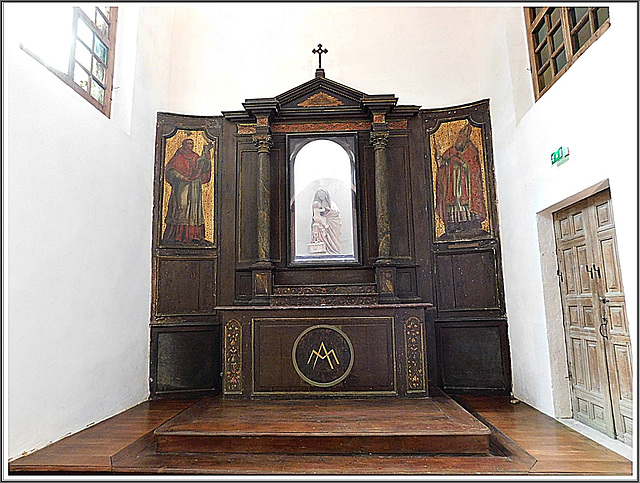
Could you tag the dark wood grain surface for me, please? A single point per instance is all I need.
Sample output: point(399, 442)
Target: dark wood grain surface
point(523, 442)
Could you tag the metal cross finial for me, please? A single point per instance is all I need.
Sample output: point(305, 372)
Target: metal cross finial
point(319, 51)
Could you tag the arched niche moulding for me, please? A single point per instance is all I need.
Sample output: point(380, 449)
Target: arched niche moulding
point(323, 199)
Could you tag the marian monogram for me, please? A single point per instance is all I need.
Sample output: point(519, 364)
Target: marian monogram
point(322, 355)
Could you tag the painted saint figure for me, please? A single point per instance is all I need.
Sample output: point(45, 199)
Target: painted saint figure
point(460, 199)
point(326, 225)
point(186, 172)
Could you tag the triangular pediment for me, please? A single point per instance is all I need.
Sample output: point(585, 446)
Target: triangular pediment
point(318, 98)
point(320, 93)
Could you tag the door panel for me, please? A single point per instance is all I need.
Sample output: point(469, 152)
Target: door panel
point(596, 327)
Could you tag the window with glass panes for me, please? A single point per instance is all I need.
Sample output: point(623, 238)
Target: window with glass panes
point(558, 36)
point(82, 57)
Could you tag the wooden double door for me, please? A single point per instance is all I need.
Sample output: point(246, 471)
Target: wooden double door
point(595, 321)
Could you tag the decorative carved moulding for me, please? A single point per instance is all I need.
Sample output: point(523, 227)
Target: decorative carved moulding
point(321, 99)
point(414, 344)
point(338, 126)
point(322, 300)
point(326, 289)
point(232, 357)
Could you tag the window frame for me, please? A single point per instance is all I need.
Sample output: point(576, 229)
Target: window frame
point(109, 41)
point(532, 23)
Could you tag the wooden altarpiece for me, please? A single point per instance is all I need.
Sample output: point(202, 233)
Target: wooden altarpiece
point(372, 268)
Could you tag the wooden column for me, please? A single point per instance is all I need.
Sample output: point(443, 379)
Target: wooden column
point(379, 107)
point(263, 196)
point(262, 271)
point(379, 140)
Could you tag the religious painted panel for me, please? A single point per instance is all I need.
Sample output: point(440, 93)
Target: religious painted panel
point(458, 172)
point(188, 190)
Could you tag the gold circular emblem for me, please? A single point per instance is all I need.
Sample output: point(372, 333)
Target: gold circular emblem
point(322, 355)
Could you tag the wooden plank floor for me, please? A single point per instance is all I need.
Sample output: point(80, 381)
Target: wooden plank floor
point(546, 447)
point(558, 449)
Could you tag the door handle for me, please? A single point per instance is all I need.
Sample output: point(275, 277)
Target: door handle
point(604, 300)
point(589, 271)
point(603, 327)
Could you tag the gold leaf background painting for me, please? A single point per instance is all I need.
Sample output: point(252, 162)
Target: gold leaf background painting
point(172, 145)
point(444, 138)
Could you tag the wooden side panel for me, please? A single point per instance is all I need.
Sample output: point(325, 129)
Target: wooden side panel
point(185, 286)
point(185, 348)
point(373, 349)
point(465, 249)
point(246, 208)
point(467, 281)
point(400, 199)
point(472, 356)
point(185, 360)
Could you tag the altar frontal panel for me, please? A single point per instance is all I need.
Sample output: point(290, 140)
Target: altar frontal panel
point(323, 355)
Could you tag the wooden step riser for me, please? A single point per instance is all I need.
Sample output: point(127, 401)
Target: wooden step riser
point(387, 444)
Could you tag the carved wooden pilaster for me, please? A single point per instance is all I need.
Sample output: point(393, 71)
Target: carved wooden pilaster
point(379, 140)
point(232, 376)
point(415, 355)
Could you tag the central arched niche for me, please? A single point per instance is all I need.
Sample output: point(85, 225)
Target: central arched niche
point(322, 200)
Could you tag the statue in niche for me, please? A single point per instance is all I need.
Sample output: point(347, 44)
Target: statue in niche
point(186, 172)
point(326, 225)
point(460, 201)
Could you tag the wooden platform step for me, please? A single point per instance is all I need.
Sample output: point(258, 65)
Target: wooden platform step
point(382, 426)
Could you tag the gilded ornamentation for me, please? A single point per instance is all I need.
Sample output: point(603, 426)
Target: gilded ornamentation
point(402, 124)
point(262, 283)
point(321, 99)
point(322, 355)
point(330, 290)
point(262, 121)
point(414, 345)
point(233, 357)
point(263, 142)
point(378, 118)
point(386, 281)
point(246, 128)
point(321, 126)
point(379, 139)
point(322, 300)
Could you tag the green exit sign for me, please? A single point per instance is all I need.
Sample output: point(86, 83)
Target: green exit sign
point(560, 156)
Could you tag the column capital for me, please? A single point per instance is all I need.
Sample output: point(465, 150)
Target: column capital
point(263, 142)
point(379, 139)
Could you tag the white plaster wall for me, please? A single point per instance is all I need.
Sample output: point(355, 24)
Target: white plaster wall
point(226, 53)
point(77, 213)
point(592, 109)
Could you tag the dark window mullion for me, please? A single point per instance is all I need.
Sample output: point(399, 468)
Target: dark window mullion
point(98, 81)
point(544, 67)
point(579, 24)
point(536, 21)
